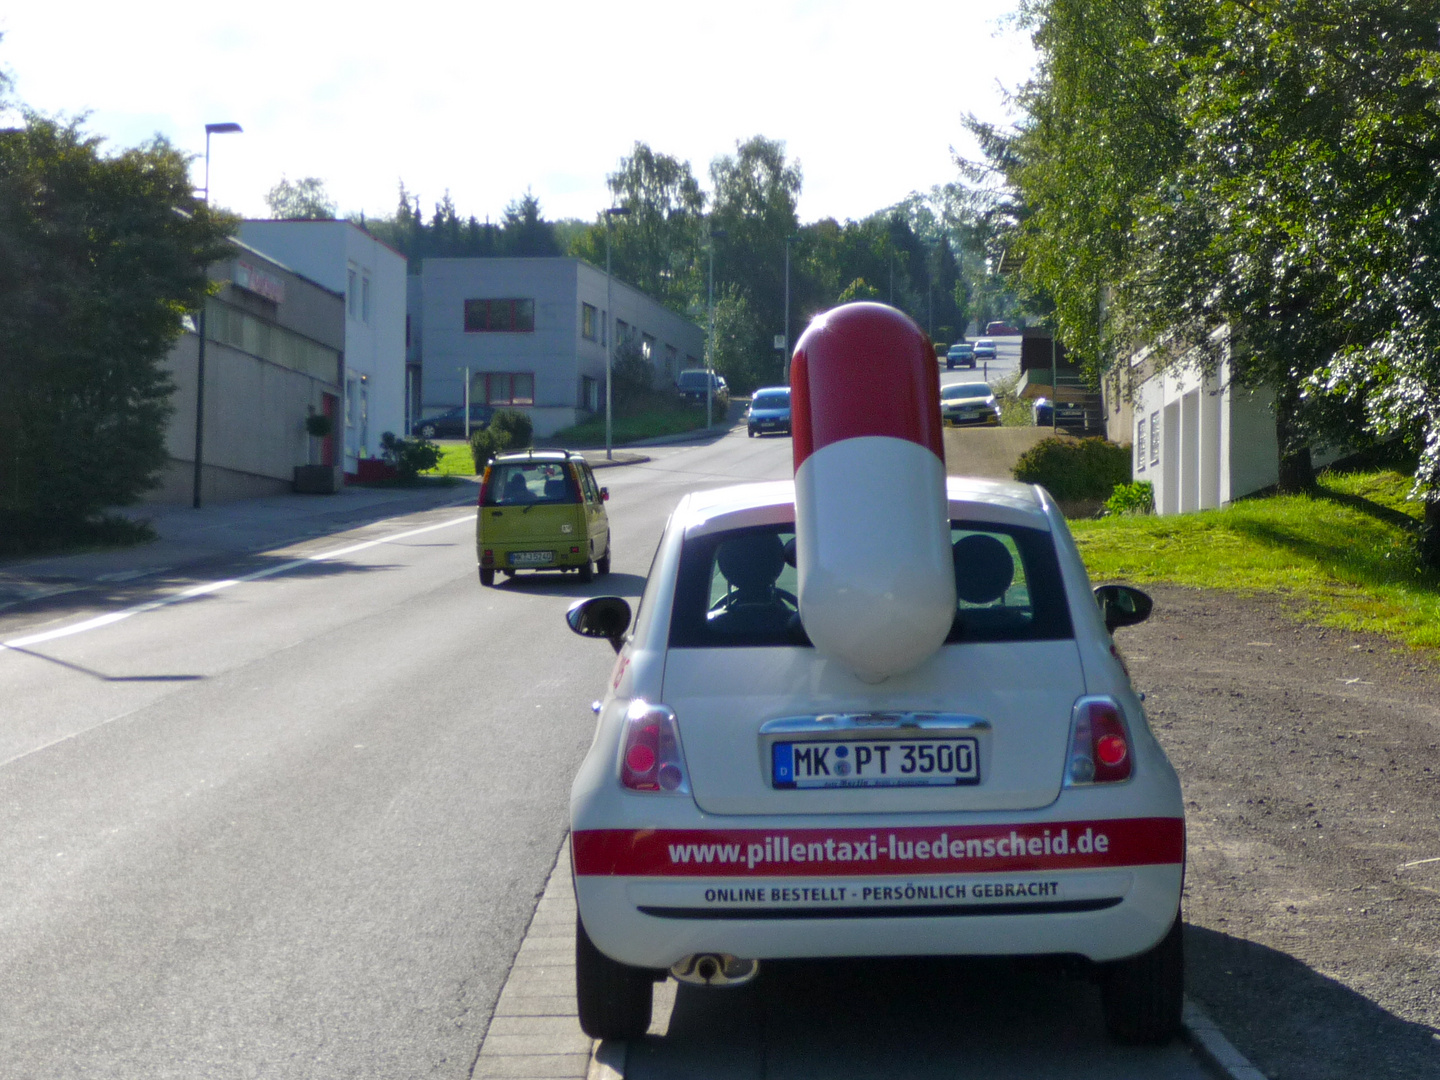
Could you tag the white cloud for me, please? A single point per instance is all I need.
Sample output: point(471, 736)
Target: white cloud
point(488, 99)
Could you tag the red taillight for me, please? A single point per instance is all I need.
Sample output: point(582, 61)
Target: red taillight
point(650, 757)
point(487, 557)
point(1099, 744)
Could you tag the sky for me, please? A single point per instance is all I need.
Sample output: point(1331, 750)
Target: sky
point(488, 100)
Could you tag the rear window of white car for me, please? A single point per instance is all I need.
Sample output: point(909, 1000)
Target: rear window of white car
point(739, 588)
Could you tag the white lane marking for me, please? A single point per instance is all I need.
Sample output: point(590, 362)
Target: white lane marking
point(216, 586)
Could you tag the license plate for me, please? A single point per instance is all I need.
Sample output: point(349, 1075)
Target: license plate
point(530, 558)
point(881, 763)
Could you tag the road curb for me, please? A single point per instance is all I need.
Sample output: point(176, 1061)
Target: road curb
point(1211, 1044)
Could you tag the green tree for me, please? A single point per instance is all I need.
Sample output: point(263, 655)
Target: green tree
point(305, 199)
point(102, 254)
point(657, 246)
point(755, 194)
point(743, 355)
point(525, 231)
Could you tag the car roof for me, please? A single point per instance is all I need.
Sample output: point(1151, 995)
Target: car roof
point(770, 390)
point(537, 455)
point(773, 502)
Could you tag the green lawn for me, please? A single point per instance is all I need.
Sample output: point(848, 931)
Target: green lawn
point(626, 429)
point(455, 460)
point(1343, 557)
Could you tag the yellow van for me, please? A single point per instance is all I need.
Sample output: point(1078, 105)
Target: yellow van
point(541, 510)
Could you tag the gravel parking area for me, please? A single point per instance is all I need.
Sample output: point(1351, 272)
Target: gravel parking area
point(1312, 784)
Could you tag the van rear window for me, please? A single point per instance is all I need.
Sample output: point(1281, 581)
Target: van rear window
point(530, 483)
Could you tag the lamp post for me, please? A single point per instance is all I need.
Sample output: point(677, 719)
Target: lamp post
point(785, 354)
point(715, 234)
point(226, 128)
point(609, 328)
point(466, 370)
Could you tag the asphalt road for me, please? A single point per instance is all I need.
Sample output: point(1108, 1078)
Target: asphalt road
point(296, 827)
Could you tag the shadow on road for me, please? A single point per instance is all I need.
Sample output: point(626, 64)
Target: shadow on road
point(560, 584)
point(896, 1019)
point(1291, 1021)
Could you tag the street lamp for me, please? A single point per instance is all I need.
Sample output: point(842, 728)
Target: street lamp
point(227, 128)
point(609, 328)
point(715, 234)
point(785, 355)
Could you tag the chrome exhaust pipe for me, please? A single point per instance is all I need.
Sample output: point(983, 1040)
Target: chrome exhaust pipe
point(715, 969)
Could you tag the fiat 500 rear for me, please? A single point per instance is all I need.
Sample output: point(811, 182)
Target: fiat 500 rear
point(840, 735)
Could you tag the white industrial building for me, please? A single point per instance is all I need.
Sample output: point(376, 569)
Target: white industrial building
point(533, 334)
point(372, 277)
point(1201, 440)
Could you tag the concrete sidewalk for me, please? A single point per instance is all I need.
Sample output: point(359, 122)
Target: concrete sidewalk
point(190, 537)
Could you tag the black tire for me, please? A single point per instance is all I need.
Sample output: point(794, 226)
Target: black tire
point(614, 999)
point(587, 572)
point(602, 564)
point(487, 577)
point(949, 365)
point(750, 432)
point(1142, 997)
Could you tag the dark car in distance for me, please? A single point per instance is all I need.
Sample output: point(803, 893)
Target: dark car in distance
point(450, 424)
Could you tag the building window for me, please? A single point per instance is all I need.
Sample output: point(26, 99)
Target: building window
point(672, 361)
point(589, 393)
point(365, 298)
point(499, 316)
point(1154, 438)
point(1141, 447)
point(352, 295)
point(622, 332)
point(647, 346)
point(506, 387)
point(589, 322)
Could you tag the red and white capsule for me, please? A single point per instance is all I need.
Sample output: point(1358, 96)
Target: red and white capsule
point(876, 574)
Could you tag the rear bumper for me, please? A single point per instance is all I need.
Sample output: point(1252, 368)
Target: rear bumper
point(1109, 889)
point(561, 555)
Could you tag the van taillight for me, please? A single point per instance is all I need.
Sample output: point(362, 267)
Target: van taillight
point(1099, 744)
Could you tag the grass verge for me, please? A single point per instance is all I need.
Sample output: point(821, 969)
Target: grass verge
point(651, 424)
point(1344, 556)
point(455, 460)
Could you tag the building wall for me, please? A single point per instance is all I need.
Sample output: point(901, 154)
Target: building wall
point(372, 278)
point(567, 363)
point(268, 364)
point(1202, 441)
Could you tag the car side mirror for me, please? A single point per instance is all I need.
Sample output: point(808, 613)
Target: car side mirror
point(1122, 605)
point(604, 494)
point(600, 617)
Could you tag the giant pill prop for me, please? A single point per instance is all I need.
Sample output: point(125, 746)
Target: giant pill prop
point(876, 573)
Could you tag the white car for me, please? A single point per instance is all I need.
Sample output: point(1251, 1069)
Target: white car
point(745, 799)
point(840, 725)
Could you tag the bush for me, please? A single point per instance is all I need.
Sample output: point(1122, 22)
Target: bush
point(1075, 468)
point(509, 429)
point(1136, 498)
point(409, 457)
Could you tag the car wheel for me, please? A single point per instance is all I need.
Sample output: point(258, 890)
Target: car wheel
point(427, 430)
point(602, 564)
point(487, 577)
point(614, 999)
point(587, 572)
point(949, 365)
point(750, 432)
point(1142, 996)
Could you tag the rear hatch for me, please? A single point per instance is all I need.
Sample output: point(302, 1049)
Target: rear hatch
point(1013, 699)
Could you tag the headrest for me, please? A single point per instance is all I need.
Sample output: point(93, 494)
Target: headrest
point(753, 561)
point(983, 569)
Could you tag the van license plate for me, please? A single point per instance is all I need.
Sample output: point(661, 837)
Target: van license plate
point(531, 558)
point(882, 763)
